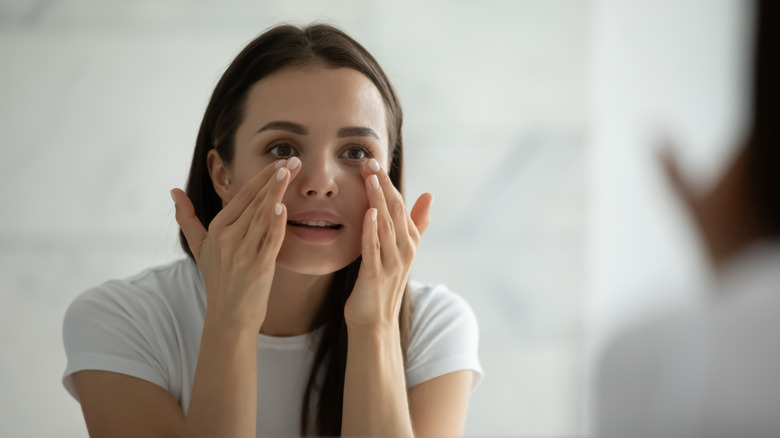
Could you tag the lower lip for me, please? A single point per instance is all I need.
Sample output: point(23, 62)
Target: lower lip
point(314, 235)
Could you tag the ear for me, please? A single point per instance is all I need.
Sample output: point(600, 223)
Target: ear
point(220, 176)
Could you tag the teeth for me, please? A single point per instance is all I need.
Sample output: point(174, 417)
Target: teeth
point(315, 223)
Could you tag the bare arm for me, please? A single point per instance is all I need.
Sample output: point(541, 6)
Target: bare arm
point(224, 392)
point(375, 395)
point(375, 401)
point(236, 258)
point(120, 406)
point(375, 398)
point(438, 406)
point(224, 395)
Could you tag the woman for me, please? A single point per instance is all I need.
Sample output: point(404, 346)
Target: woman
point(293, 314)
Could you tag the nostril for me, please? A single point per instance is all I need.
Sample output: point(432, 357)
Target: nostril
point(328, 194)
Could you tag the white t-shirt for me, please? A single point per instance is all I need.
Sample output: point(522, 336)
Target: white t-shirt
point(149, 326)
point(711, 370)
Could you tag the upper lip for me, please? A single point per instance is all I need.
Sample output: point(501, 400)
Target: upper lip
point(315, 216)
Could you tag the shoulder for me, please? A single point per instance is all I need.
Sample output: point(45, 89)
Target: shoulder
point(161, 287)
point(134, 325)
point(444, 334)
point(434, 306)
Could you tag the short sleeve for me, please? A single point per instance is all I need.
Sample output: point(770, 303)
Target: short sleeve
point(101, 331)
point(444, 336)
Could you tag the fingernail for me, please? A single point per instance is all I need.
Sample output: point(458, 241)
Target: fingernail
point(173, 197)
point(373, 214)
point(280, 174)
point(374, 181)
point(293, 163)
point(278, 209)
point(373, 164)
point(280, 163)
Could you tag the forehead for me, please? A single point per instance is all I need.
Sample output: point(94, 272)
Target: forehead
point(320, 98)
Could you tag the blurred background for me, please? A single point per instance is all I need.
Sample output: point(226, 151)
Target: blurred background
point(534, 122)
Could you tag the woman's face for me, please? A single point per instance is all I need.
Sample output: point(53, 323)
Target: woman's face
point(333, 120)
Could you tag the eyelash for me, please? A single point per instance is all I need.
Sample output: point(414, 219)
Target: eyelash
point(275, 145)
point(362, 148)
point(358, 146)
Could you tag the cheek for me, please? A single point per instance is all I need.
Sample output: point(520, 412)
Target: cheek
point(244, 171)
point(357, 196)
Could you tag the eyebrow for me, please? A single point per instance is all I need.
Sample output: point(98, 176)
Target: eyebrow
point(295, 128)
point(357, 131)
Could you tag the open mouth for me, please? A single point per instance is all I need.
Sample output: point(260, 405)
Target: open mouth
point(315, 225)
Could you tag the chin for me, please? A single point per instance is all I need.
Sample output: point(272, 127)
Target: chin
point(311, 263)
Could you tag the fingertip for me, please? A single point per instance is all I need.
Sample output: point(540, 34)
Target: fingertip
point(281, 173)
point(293, 163)
point(374, 166)
point(372, 214)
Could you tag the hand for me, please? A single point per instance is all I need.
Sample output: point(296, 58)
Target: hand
point(390, 238)
point(724, 216)
point(237, 255)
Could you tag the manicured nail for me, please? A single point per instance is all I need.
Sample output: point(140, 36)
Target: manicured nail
point(280, 174)
point(373, 214)
point(373, 164)
point(278, 209)
point(173, 197)
point(374, 181)
point(280, 163)
point(293, 163)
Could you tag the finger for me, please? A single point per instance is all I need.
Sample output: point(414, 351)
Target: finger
point(236, 206)
point(189, 223)
point(370, 243)
point(274, 235)
point(394, 201)
point(259, 219)
point(421, 216)
point(370, 167)
point(680, 186)
point(271, 193)
point(385, 226)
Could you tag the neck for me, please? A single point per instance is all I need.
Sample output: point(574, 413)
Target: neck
point(294, 302)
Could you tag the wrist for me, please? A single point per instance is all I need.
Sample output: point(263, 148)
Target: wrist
point(374, 331)
point(231, 326)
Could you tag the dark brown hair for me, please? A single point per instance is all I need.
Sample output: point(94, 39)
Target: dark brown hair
point(764, 146)
point(292, 47)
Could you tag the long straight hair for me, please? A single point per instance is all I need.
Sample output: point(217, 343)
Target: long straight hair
point(292, 47)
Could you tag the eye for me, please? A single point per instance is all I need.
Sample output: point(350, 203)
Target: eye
point(356, 153)
point(282, 150)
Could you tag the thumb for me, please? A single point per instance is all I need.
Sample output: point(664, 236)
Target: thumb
point(188, 222)
point(421, 212)
point(678, 183)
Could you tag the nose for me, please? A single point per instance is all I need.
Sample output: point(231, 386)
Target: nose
point(317, 178)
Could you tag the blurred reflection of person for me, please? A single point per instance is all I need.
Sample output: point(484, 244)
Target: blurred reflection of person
point(714, 370)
